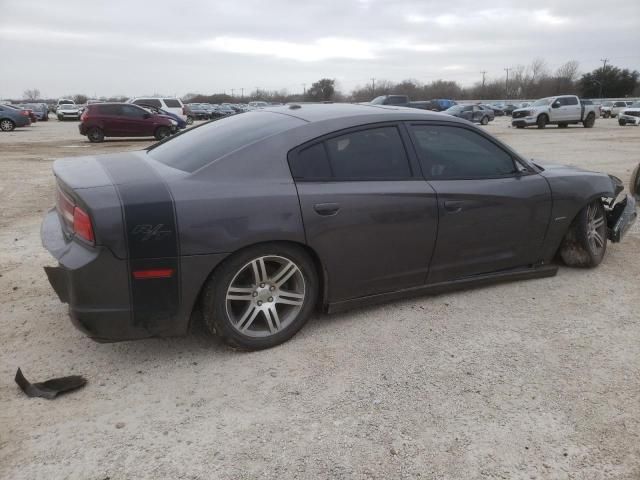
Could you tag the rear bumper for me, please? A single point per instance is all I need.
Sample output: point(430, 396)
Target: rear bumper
point(93, 282)
point(621, 217)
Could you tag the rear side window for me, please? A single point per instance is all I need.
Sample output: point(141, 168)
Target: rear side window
point(108, 109)
point(154, 102)
point(396, 100)
point(172, 103)
point(372, 154)
point(200, 146)
point(570, 101)
point(457, 153)
point(311, 163)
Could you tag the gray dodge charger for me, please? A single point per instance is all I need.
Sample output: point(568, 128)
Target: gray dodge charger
point(258, 219)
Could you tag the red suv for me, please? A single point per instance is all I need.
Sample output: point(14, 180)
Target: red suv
point(101, 120)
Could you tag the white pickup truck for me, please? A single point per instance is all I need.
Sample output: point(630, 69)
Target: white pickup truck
point(561, 110)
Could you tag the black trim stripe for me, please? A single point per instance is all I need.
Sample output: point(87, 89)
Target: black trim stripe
point(151, 232)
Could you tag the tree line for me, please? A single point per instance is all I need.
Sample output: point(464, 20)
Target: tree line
point(535, 80)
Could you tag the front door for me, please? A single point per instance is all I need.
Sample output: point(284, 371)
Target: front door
point(493, 211)
point(368, 213)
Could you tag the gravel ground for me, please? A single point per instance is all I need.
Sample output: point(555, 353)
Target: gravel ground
point(535, 379)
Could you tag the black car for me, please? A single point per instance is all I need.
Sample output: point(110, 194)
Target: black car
point(257, 219)
point(195, 111)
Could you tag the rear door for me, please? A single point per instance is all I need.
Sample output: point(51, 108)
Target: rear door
point(367, 211)
point(493, 211)
point(573, 109)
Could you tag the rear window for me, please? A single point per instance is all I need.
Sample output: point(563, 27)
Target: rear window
point(154, 102)
point(202, 145)
point(172, 103)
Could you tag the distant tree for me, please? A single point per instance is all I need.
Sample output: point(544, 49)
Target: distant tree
point(32, 94)
point(611, 81)
point(322, 90)
point(79, 98)
point(442, 89)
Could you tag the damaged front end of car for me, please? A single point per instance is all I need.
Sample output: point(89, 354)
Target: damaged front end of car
point(621, 209)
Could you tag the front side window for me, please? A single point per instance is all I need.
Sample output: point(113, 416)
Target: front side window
point(457, 153)
point(132, 112)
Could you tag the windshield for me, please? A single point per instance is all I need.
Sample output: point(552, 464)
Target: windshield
point(542, 102)
point(200, 146)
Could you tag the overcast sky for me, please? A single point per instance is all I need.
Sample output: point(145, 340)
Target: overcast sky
point(175, 47)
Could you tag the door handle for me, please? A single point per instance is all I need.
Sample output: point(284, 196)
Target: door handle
point(453, 206)
point(326, 209)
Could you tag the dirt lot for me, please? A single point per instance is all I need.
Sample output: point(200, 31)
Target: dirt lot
point(537, 379)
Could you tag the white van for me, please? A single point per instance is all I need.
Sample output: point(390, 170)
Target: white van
point(173, 105)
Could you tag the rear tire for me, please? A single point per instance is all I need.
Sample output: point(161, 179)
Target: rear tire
point(585, 243)
point(590, 121)
point(7, 125)
point(162, 132)
point(238, 304)
point(622, 122)
point(95, 135)
point(607, 114)
point(484, 121)
point(542, 121)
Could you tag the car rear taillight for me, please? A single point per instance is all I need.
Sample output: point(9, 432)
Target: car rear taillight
point(74, 217)
point(24, 112)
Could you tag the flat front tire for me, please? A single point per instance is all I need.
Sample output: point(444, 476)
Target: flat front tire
point(585, 243)
point(261, 296)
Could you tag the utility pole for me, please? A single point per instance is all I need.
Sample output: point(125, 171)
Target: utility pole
point(304, 89)
point(233, 90)
point(604, 63)
point(242, 93)
point(506, 83)
point(373, 86)
point(604, 70)
point(483, 74)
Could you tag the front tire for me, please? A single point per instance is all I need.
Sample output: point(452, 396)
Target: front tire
point(189, 120)
point(622, 122)
point(484, 121)
point(542, 121)
point(7, 125)
point(261, 296)
point(585, 244)
point(162, 132)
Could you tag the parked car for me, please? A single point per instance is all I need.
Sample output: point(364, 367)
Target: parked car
point(562, 110)
point(66, 111)
point(12, 117)
point(223, 111)
point(472, 113)
point(198, 111)
point(30, 112)
point(40, 110)
point(168, 104)
point(497, 111)
point(64, 101)
point(630, 116)
point(611, 109)
point(182, 124)
point(256, 219)
point(509, 108)
point(102, 120)
point(257, 104)
point(438, 105)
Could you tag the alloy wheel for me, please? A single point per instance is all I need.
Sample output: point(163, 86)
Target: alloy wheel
point(596, 228)
point(265, 296)
point(6, 125)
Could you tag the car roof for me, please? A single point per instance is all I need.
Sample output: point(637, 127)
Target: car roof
point(321, 112)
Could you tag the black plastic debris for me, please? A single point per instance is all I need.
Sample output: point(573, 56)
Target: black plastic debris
point(51, 388)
